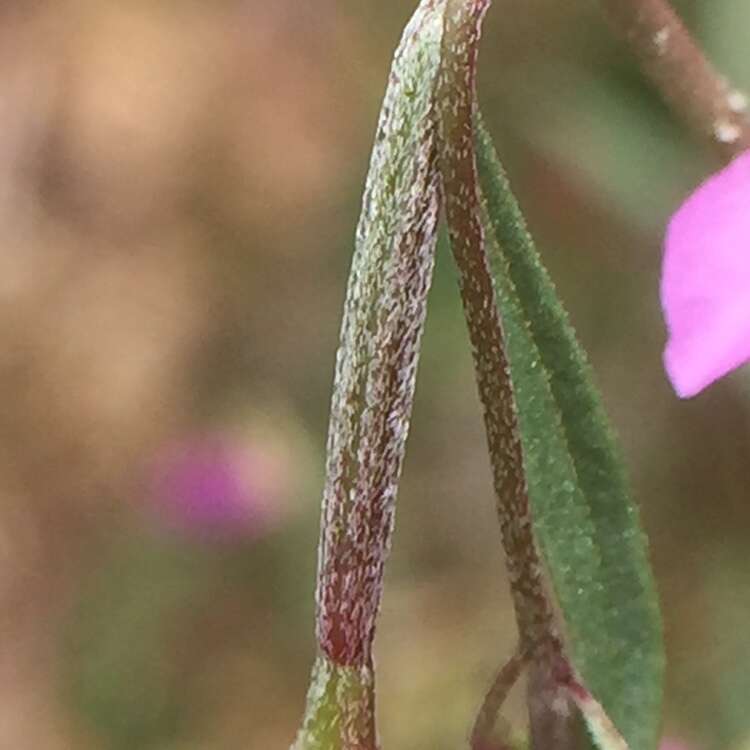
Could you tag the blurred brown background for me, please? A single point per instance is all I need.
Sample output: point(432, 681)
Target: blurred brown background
point(179, 185)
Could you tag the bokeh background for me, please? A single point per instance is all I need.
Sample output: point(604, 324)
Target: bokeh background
point(179, 185)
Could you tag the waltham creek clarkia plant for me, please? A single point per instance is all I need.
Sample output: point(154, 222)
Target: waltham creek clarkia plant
point(705, 287)
point(589, 627)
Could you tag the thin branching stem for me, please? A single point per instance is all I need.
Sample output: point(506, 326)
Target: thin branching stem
point(493, 701)
point(678, 67)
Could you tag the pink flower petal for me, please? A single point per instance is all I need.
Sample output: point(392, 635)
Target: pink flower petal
point(705, 286)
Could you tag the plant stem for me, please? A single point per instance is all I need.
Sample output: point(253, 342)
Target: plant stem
point(678, 67)
point(540, 642)
point(457, 108)
point(493, 702)
point(377, 360)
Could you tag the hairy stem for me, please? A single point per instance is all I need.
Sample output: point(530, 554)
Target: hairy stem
point(677, 66)
point(539, 639)
point(457, 104)
point(377, 360)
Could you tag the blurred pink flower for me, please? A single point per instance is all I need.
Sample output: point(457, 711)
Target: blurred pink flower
point(670, 743)
point(210, 486)
point(705, 287)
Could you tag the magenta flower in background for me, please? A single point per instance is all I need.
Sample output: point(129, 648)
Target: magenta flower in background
point(211, 486)
point(705, 287)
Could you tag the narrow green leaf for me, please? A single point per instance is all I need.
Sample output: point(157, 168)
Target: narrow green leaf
point(584, 519)
point(374, 389)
